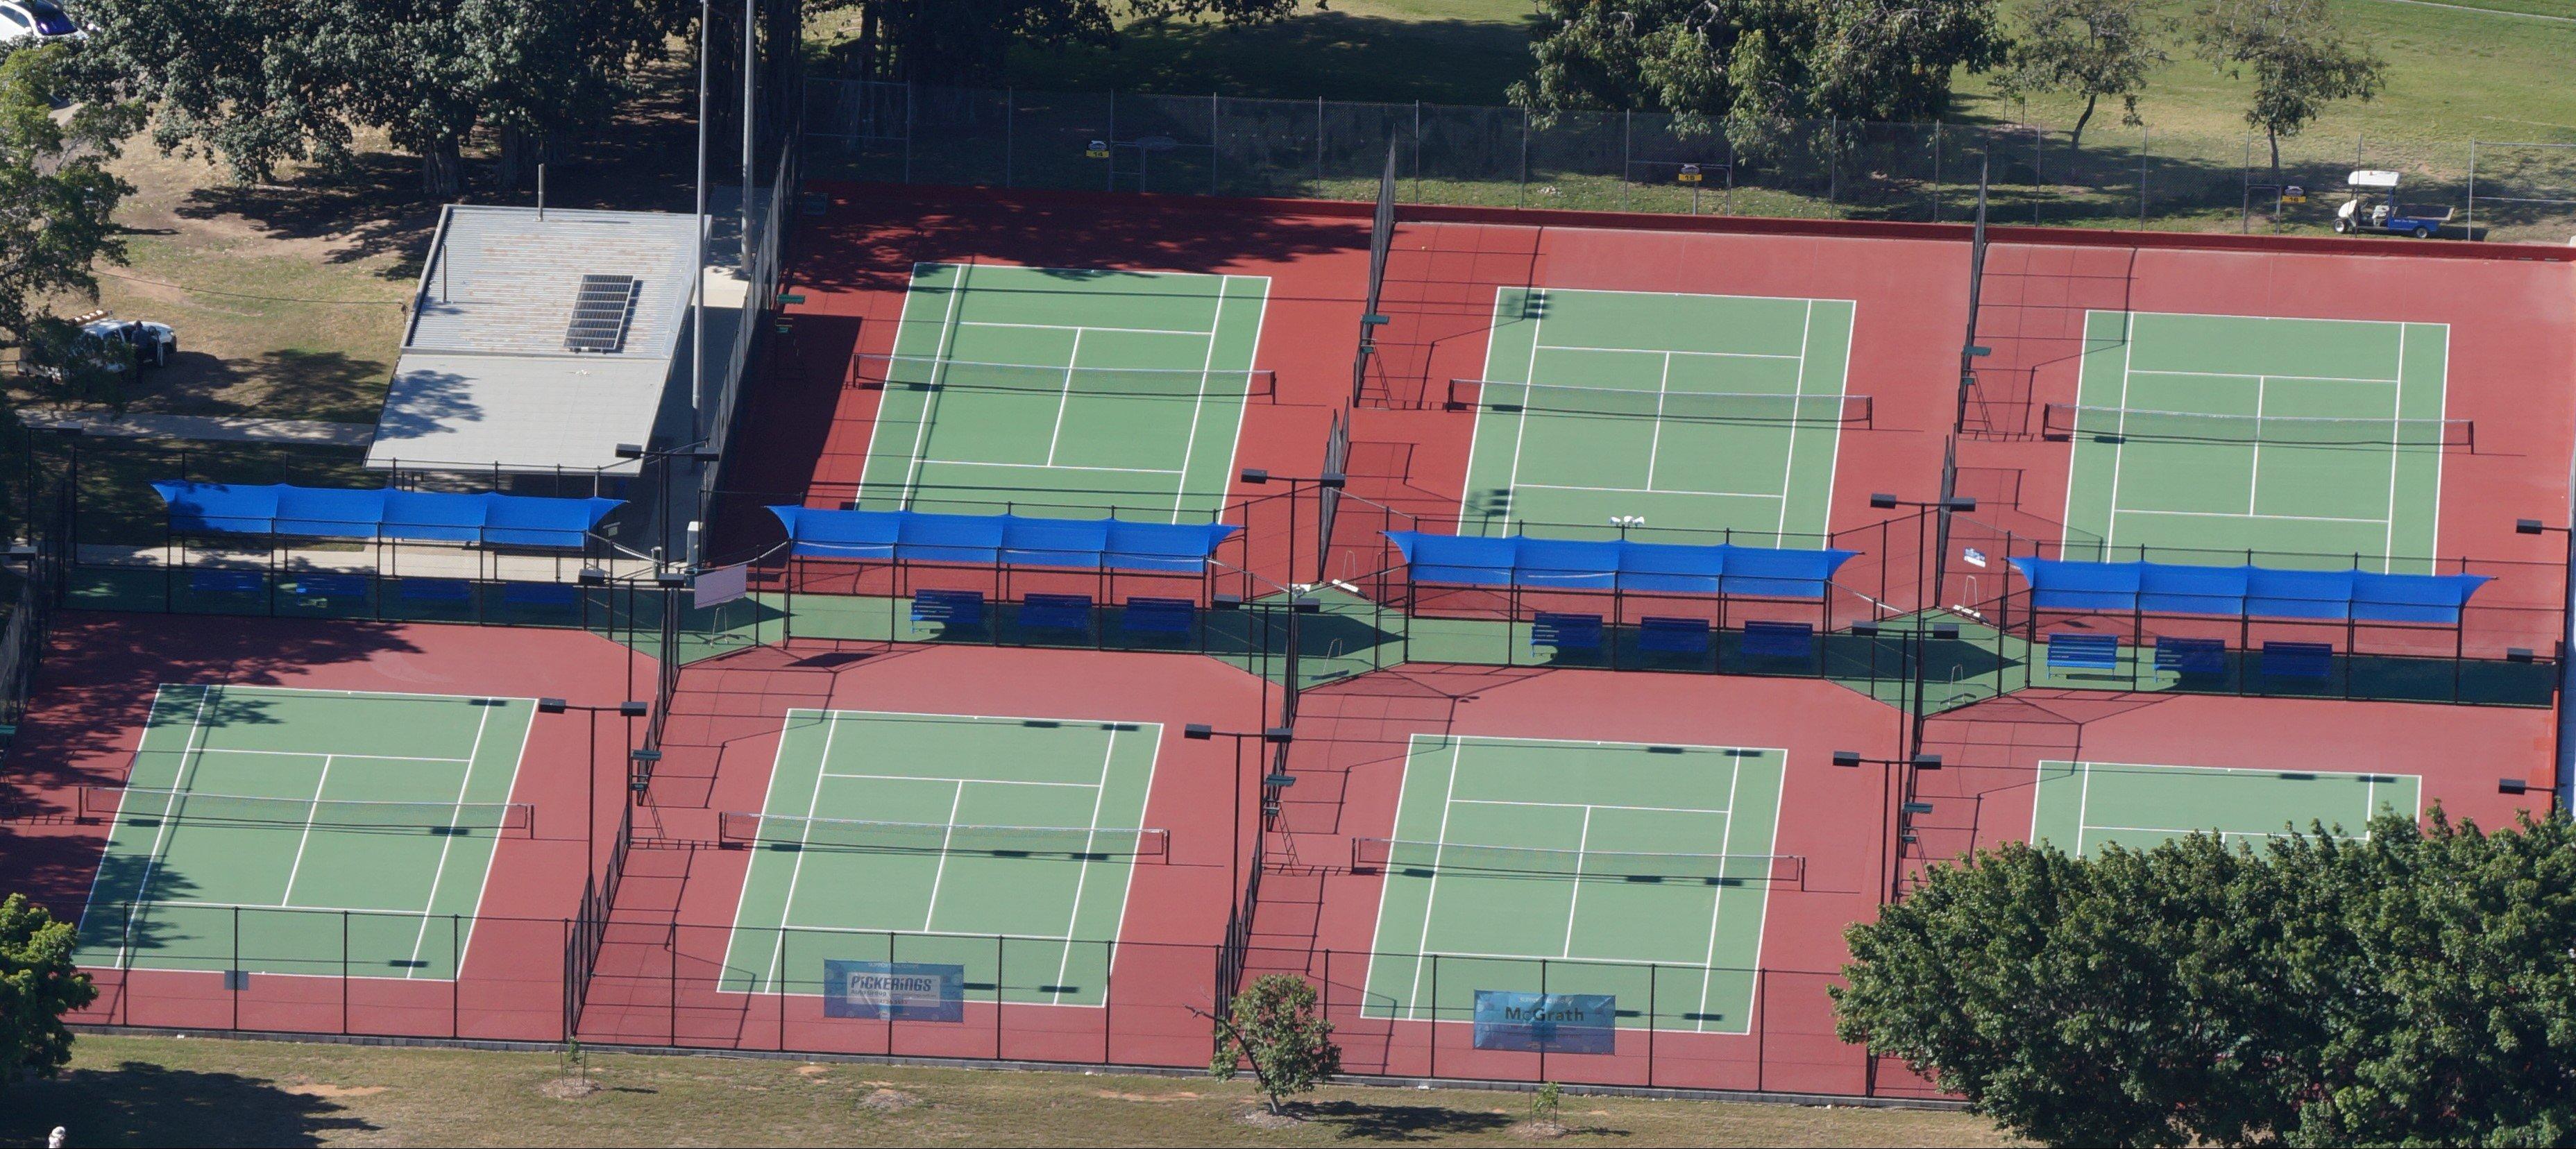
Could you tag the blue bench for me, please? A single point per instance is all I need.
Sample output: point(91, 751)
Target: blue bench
point(1566, 631)
point(2191, 655)
point(948, 607)
point(1158, 616)
point(1780, 639)
point(227, 582)
point(2313, 660)
point(331, 586)
point(540, 593)
point(436, 590)
point(2084, 651)
point(1056, 611)
point(1672, 635)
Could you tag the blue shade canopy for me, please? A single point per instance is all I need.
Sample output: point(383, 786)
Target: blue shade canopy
point(330, 512)
point(1016, 540)
point(2268, 592)
point(1716, 568)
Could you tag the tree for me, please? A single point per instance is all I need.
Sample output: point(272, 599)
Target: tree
point(1276, 1028)
point(2410, 987)
point(260, 84)
point(38, 985)
point(2299, 63)
point(57, 198)
point(2087, 48)
point(968, 41)
point(1760, 67)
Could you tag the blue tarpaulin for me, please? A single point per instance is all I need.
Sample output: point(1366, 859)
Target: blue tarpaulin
point(1715, 568)
point(1016, 540)
point(330, 512)
point(2266, 592)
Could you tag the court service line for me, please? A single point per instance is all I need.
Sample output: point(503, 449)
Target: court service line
point(939, 873)
point(977, 781)
point(1574, 903)
point(796, 869)
point(904, 323)
point(447, 849)
point(2396, 421)
point(1657, 351)
point(2234, 515)
point(1242, 411)
point(1079, 328)
point(1789, 466)
point(1587, 805)
point(1520, 435)
point(321, 782)
point(2262, 375)
point(1651, 491)
point(1198, 406)
point(1049, 467)
point(334, 754)
point(2119, 429)
point(518, 757)
point(2254, 477)
point(1064, 398)
point(939, 354)
point(1655, 436)
point(1082, 875)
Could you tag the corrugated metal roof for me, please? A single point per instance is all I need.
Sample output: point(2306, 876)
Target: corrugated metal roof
point(485, 378)
point(519, 414)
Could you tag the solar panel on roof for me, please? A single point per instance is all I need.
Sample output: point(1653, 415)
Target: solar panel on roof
point(601, 311)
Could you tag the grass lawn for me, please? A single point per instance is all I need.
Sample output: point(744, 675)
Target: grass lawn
point(203, 1091)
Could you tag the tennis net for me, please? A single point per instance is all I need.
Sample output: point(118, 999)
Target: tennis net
point(149, 806)
point(1693, 406)
point(736, 827)
point(2120, 424)
point(1434, 857)
point(888, 372)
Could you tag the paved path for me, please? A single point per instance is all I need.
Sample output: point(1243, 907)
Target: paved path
point(208, 428)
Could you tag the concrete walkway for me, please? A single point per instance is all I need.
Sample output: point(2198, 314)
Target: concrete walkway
point(208, 428)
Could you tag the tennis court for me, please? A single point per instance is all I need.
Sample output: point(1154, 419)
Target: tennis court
point(1068, 393)
point(951, 830)
point(1697, 413)
point(2082, 805)
point(1640, 871)
point(249, 802)
point(2195, 436)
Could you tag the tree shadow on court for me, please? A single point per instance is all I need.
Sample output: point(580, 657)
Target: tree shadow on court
point(140, 1103)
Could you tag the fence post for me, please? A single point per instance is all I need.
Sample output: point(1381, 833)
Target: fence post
point(1627, 153)
point(907, 136)
point(1216, 143)
point(1520, 192)
point(1417, 151)
point(1654, 974)
point(2146, 137)
point(1111, 183)
point(2472, 224)
point(1936, 171)
point(1319, 140)
point(1010, 132)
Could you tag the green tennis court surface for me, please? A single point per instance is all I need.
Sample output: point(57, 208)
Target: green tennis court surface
point(1066, 393)
point(2082, 805)
point(1634, 870)
point(2201, 435)
point(246, 801)
point(954, 828)
point(1697, 412)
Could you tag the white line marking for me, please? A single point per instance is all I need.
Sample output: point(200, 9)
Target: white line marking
point(1585, 805)
point(1537, 298)
point(1082, 875)
point(169, 818)
point(1078, 328)
point(1049, 467)
point(1717, 902)
point(1198, 406)
point(320, 783)
point(939, 873)
point(438, 877)
point(1797, 395)
point(1574, 903)
point(1649, 491)
point(930, 395)
point(1655, 443)
point(1064, 398)
point(1656, 351)
point(1431, 894)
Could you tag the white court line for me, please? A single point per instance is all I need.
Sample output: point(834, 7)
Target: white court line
point(1789, 466)
point(1655, 441)
point(1082, 876)
point(1198, 407)
point(320, 783)
point(464, 786)
point(1586, 805)
point(2234, 515)
point(1717, 903)
point(796, 869)
point(1431, 894)
point(1078, 328)
point(2119, 431)
point(1650, 491)
point(929, 396)
point(1659, 351)
point(2396, 420)
point(1049, 467)
point(978, 781)
point(938, 874)
point(334, 754)
point(1529, 379)
point(1064, 398)
point(903, 322)
point(2263, 375)
point(1574, 904)
point(169, 818)
point(299, 908)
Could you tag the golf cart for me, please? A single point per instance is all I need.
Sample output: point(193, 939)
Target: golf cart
point(2361, 214)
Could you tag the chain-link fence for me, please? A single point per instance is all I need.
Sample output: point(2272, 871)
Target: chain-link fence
point(1656, 162)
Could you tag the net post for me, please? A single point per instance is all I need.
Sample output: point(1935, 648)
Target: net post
point(1654, 976)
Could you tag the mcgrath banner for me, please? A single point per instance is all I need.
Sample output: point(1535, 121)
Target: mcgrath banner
point(1546, 1022)
point(894, 991)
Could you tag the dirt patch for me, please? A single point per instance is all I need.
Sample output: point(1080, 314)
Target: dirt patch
point(1260, 1118)
point(1538, 1130)
point(569, 1088)
point(888, 1101)
point(1177, 1095)
point(307, 1087)
point(812, 1070)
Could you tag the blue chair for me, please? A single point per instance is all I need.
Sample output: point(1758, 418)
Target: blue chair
point(2191, 655)
point(1158, 616)
point(436, 590)
point(227, 582)
point(330, 586)
point(2309, 660)
point(948, 607)
point(2084, 651)
point(1056, 611)
point(1566, 631)
point(1658, 635)
point(1780, 639)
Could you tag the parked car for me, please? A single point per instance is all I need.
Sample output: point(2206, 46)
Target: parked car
point(35, 21)
point(154, 343)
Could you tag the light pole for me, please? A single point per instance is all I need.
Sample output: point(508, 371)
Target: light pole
point(1853, 759)
point(2566, 756)
point(590, 771)
point(1271, 736)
